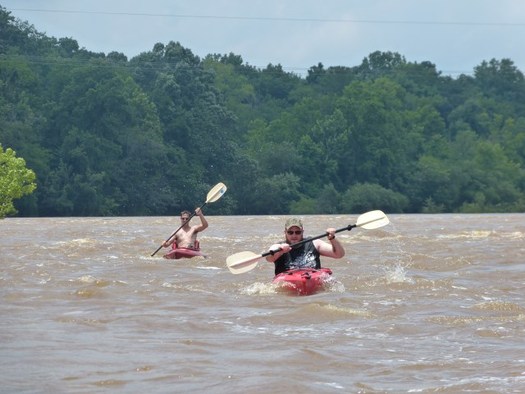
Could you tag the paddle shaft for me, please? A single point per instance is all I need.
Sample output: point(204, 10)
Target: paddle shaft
point(176, 231)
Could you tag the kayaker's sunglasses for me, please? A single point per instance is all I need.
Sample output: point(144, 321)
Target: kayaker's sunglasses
point(184, 218)
point(296, 232)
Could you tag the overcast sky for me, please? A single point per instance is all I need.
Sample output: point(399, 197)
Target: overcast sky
point(455, 35)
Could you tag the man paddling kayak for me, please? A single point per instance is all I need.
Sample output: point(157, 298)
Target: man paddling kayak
point(306, 255)
point(185, 242)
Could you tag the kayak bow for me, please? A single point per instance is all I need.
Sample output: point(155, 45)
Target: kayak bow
point(303, 281)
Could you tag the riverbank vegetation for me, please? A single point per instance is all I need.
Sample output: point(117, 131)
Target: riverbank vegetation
point(108, 135)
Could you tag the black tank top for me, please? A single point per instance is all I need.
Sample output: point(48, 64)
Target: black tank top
point(303, 256)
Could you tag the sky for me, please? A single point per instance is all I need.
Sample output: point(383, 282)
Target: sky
point(455, 35)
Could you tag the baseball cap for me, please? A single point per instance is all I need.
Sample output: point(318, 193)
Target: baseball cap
point(293, 222)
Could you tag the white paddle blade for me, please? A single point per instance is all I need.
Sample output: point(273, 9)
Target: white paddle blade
point(214, 194)
point(372, 220)
point(242, 262)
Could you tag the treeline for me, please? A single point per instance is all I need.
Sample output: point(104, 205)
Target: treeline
point(108, 135)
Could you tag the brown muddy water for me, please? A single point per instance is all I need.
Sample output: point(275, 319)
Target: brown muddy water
point(429, 303)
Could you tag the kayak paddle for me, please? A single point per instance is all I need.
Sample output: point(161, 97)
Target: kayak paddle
point(213, 195)
point(242, 262)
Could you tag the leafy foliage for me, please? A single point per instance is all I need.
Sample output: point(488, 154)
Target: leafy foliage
point(16, 180)
point(149, 136)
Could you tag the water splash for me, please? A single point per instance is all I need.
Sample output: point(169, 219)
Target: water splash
point(397, 274)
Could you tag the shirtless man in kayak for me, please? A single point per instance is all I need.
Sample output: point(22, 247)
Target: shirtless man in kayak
point(306, 255)
point(186, 237)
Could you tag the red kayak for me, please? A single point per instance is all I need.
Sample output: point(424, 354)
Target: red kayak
point(181, 253)
point(184, 253)
point(305, 281)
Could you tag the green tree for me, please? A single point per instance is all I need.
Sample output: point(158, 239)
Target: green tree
point(367, 196)
point(381, 145)
point(108, 136)
point(107, 139)
point(502, 80)
point(331, 80)
point(322, 149)
point(16, 180)
point(20, 113)
point(275, 194)
point(328, 201)
point(239, 93)
point(431, 188)
point(494, 186)
point(380, 64)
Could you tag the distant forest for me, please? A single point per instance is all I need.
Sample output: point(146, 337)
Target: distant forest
point(151, 135)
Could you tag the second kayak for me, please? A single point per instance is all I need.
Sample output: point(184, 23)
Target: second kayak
point(180, 253)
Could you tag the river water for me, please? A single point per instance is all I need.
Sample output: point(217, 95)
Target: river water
point(429, 303)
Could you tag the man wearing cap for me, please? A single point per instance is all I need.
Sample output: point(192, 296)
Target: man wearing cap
point(306, 255)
